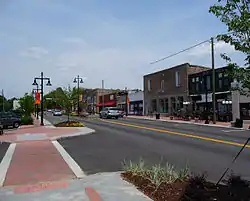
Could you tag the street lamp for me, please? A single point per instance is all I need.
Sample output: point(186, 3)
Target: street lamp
point(78, 80)
point(42, 78)
point(34, 91)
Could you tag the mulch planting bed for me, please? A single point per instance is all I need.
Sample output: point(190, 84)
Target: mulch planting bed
point(65, 124)
point(195, 189)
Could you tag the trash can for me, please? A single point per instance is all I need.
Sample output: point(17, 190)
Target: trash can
point(157, 115)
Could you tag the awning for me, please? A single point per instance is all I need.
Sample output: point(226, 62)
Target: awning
point(110, 103)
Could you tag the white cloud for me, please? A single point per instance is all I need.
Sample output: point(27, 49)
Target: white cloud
point(34, 52)
point(205, 49)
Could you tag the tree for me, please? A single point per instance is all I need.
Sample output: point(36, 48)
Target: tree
point(68, 100)
point(235, 14)
point(27, 104)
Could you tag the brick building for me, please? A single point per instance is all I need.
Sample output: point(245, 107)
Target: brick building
point(166, 90)
point(93, 98)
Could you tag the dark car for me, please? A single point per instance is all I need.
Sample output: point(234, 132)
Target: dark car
point(9, 119)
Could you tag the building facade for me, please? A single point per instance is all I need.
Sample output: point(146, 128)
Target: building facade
point(228, 102)
point(201, 88)
point(107, 100)
point(135, 106)
point(165, 91)
point(93, 99)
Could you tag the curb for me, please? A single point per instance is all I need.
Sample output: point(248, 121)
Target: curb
point(179, 122)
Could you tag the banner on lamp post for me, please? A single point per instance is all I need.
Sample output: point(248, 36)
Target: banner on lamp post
point(38, 100)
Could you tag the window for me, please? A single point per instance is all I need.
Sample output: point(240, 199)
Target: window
point(197, 86)
point(220, 80)
point(208, 82)
point(193, 79)
point(111, 97)
point(163, 105)
point(197, 79)
point(149, 85)
point(177, 79)
point(162, 85)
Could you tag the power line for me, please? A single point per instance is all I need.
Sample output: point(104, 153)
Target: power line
point(184, 50)
point(228, 33)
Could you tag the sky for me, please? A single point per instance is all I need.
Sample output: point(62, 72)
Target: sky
point(110, 40)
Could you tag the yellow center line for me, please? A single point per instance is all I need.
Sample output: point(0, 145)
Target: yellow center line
point(178, 133)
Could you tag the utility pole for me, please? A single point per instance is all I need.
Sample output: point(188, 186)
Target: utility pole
point(126, 103)
point(102, 94)
point(213, 72)
point(3, 100)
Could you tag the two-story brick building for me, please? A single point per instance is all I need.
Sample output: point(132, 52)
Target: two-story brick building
point(166, 90)
point(201, 87)
point(94, 97)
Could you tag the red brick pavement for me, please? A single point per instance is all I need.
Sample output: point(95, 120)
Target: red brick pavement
point(36, 161)
point(11, 136)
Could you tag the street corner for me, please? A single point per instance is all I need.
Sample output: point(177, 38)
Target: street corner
point(70, 132)
point(22, 165)
point(110, 186)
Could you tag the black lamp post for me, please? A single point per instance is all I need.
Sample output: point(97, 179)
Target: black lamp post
point(37, 107)
point(42, 78)
point(78, 80)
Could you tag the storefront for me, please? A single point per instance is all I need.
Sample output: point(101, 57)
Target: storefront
point(109, 101)
point(135, 106)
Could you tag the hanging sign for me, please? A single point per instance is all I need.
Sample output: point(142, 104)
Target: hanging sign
point(38, 100)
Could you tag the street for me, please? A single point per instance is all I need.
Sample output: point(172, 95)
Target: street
point(202, 148)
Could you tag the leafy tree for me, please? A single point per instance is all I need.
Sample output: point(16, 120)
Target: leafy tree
point(68, 100)
point(27, 104)
point(235, 14)
point(7, 104)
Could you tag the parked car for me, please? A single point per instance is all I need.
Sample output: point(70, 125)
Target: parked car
point(122, 113)
point(57, 113)
point(9, 119)
point(110, 112)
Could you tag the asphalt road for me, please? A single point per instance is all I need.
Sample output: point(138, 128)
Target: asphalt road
point(3, 149)
point(202, 148)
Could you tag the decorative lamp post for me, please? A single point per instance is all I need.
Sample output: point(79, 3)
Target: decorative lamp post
point(42, 79)
point(78, 80)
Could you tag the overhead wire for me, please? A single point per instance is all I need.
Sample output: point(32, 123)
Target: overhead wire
point(184, 50)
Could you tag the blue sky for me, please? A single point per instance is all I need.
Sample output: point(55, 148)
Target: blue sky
point(114, 40)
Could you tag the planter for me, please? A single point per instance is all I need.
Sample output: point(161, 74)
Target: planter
point(70, 124)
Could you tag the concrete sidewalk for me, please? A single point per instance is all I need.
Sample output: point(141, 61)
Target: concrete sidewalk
point(37, 167)
point(218, 123)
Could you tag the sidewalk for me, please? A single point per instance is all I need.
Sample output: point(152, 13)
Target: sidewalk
point(37, 167)
point(167, 119)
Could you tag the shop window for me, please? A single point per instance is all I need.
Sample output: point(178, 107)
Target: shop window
point(163, 105)
point(208, 82)
point(173, 104)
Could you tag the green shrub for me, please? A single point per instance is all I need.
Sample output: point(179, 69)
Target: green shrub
point(26, 120)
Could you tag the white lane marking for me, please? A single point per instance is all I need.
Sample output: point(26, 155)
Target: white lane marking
point(4, 165)
point(69, 160)
point(228, 131)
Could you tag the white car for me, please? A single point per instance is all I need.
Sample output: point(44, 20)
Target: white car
point(110, 112)
point(57, 113)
